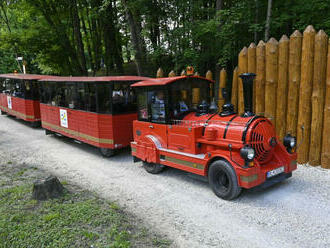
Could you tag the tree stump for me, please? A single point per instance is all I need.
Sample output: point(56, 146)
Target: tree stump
point(47, 188)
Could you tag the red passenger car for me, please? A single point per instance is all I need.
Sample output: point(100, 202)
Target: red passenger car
point(95, 110)
point(177, 127)
point(19, 96)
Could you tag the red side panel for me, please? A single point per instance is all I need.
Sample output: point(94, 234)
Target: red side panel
point(122, 129)
point(28, 110)
point(100, 130)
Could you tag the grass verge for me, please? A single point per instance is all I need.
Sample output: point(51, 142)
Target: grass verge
point(77, 219)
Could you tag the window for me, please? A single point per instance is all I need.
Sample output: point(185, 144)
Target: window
point(71, 95)
point(90, 97)
point(142, 99)
point(152, 105)
point(31, 89)
point(16, 88)
point(123, 98)
point(81, 99)
point(103, 97)
point(2, 85)
point(185, 95)
point(157, 106)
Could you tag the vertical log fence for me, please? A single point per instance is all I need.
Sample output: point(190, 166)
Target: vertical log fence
point(292, 88)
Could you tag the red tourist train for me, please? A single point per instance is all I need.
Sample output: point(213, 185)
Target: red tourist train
point(19, 96)
point(95, 110)
point(174, 125)
point(177, 127)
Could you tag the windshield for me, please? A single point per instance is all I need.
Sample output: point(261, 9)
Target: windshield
point(187, 94)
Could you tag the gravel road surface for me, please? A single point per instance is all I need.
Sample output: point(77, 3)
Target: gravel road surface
point(295, 213)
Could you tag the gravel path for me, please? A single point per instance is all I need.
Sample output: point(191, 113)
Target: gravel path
point(295, 213)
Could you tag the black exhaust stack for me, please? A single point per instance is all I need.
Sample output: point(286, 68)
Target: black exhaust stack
point(247, 80)
point(227, 108)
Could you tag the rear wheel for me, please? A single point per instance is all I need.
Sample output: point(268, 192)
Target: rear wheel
point(223, 180)
point(106, 152)
point(48, 132)
point(2, 112)
point(153, 168)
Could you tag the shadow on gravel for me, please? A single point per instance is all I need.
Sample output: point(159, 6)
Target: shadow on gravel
point(120, 153)
point(20, 121)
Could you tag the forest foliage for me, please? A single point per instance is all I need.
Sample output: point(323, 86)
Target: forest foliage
point(111, 37)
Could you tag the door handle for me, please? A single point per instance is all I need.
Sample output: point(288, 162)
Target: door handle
point(151, 126)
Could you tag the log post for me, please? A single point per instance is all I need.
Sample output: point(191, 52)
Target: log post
point(234, 89)
point(282, 86)
point(171, 74)
point(325, 158)
point(294, 82)
point(209, 76)
point(222, 84)
point(271, 79)
point(305, 94)
point(160, 73)
point(318, 95)
point(260, 79)
point(252, 69)
point(242, 68)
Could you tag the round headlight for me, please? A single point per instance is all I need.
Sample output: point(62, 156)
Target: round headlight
point(247, 153)
point(250, 154)
point(292, 143)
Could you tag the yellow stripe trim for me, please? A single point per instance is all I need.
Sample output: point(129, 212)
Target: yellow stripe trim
point(78, 134)
point(184, 163)
point(24, 116)
point(249, 179)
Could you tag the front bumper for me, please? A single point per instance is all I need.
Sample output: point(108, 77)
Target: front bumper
point(274, 180)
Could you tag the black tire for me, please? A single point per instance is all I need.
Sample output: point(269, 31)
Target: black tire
point(223, 180)
point(153, 168)
point(35, 124)
point(106, 152)
point(48, 132)
point(3, 112)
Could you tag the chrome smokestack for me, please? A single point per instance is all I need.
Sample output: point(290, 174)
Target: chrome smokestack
point(247, 80)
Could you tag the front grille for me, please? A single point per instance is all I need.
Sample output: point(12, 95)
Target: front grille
point(262, 133)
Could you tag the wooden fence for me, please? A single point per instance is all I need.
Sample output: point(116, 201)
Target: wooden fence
point(292, 88)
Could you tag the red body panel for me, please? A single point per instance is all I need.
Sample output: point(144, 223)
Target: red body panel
point(195, 142)
point(100, 130)
point(28, 110)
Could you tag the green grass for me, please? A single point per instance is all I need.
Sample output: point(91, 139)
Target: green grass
point(77, 219)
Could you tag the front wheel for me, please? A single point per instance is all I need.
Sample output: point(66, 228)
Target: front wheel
point(223, 180)
point(153, 168)
point(2, 112)
point(106, 152)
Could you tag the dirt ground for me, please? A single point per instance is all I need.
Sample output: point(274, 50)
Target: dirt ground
point(295, 213)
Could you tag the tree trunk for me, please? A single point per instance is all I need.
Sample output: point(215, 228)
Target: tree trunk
point(268, 20)
point(78, 37)
point(218, 5)
point(137, 42)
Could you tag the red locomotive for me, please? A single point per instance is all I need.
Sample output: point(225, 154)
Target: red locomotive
point(95, 110)
point(19, 96)
point(177, 127)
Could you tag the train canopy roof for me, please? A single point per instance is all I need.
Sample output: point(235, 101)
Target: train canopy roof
point(166, 81)
point(24, 76)
point(94, 79)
